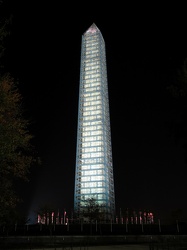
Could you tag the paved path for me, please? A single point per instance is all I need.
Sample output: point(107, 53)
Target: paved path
point(117, 247)
point(110, 247)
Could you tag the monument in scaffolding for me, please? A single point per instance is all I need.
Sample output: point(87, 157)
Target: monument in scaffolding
point(94, 165)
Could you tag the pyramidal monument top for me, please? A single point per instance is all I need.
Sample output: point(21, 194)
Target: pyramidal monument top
point(92, 29)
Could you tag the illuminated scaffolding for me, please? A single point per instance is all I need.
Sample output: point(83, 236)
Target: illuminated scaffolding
point(94, 166)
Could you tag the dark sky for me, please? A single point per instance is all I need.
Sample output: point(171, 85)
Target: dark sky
point(145, 46)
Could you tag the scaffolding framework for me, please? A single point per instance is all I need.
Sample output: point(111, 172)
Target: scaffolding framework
point(94, 165)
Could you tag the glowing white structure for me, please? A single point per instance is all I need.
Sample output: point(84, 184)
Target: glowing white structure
point(94, 166)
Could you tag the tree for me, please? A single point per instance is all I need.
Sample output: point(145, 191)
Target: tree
point(16, 151)
point(92, 210)
point(179, 88)
point(5, 24)
point(178, 120)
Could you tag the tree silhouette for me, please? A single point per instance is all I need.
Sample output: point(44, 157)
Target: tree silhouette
point(178, 120)
point(91, 211)
point(16, 151)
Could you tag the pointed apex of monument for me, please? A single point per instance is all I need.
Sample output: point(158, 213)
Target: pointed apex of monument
point(93, 29)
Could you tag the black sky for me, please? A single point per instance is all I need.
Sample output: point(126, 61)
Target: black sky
point(145, 45)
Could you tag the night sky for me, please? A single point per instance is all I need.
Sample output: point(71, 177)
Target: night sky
point(145, 46)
